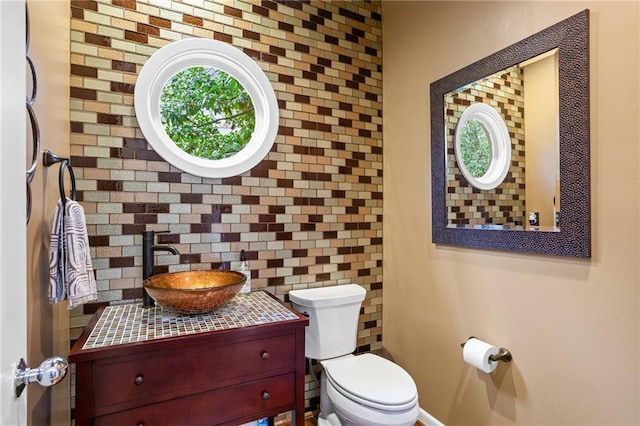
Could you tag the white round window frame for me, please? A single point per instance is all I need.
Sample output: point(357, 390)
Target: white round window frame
point(178, 55)
point(500, 145)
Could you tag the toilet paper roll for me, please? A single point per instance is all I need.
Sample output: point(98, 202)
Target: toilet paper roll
point(476, 353)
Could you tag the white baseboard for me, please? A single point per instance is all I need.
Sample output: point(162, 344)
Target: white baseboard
point(428, 420)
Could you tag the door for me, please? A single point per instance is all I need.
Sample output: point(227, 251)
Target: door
point(13, 152)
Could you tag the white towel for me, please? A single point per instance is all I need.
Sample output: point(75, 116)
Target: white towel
point(70, 269)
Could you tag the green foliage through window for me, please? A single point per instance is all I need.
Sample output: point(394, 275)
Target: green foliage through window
point(475, 147)
point(207, 113)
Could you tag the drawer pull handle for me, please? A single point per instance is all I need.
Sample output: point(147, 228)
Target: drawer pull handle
point(266, 395)
point(265, 355)
point(138, 380)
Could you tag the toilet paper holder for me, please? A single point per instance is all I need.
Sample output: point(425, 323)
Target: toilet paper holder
point(502, 355)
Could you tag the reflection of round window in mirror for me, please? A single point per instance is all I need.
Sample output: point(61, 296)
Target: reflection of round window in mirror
point(482, 146)
point(207, 112)
point(475, 148)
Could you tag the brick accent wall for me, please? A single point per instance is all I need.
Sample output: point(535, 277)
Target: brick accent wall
point(309, 214)
point(505, 204)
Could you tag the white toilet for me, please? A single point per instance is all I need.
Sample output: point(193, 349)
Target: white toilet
point(362, 390)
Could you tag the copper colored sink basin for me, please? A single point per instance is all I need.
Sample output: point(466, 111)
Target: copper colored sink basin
point(194, 292)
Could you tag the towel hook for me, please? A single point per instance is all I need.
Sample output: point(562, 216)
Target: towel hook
point(49, 159)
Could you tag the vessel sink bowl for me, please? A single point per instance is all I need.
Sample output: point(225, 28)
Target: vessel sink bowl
point(194, 292)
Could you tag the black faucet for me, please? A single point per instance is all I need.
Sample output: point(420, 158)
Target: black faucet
point(148, 249)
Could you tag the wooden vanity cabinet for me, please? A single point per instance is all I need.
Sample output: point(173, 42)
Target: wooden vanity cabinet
point(225, 377)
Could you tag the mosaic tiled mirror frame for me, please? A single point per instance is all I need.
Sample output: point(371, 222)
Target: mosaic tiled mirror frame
point(182, 54)
point(571, 38)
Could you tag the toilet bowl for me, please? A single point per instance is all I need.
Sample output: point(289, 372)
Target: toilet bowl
point(368, 390)
point(358, 390)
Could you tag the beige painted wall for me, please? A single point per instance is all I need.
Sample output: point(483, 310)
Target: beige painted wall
point(572, 325)
point(47, 325)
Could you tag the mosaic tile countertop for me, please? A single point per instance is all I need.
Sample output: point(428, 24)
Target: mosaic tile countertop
point(120, 324)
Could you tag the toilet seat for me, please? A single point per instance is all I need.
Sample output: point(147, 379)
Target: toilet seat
point(350, 412)
point(372, 381)
point(345, 411)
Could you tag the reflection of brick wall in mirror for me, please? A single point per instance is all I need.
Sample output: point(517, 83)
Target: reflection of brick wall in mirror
point(505, 204)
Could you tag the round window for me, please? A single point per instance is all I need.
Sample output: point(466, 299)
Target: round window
point(482, 146)
point(206, 107)
point(207, 113)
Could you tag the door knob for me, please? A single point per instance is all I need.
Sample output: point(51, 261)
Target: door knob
point(50, 372)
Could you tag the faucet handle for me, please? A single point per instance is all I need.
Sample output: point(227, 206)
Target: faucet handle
point(149, 236)
point(150, 231)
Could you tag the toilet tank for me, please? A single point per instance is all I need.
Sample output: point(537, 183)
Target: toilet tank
point(333, 318)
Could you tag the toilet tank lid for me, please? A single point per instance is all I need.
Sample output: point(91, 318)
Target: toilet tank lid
point(328, 296)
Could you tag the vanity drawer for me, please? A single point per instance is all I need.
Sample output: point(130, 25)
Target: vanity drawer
point(213, 407)
point(162, 375)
